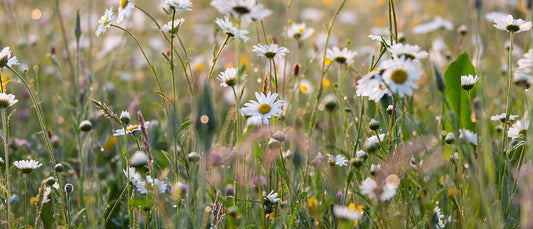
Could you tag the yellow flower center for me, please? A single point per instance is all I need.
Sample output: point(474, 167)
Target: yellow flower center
point(131, 128)
point(123, 4)
point(399, 76)
point(303, 89)
point(106, 22)
point(301, 29)
point(264, 109)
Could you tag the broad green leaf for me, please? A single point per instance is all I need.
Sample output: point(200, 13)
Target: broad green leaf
point(457, 97)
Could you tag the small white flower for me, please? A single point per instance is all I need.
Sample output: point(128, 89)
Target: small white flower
point(467, 82)
point(272, 197)
point(374, 191)
point(27, 166)
point(105, 21)
point(125, 117)
point(244, 9)
point(231, 30)
point(343, 56)
point(264, 107)
point(131, 129)
point(152, 185)
point(270, 51)
point(169, 28)
point(440, 218)
point(400, 76)
point(7, 100)
point(134, 176)
point(344, 212)
point(178, 5)
point(228, 77)
point(526, 62)
point(47, 192)
point(374, 168)
point(299, 31)
point(523, 78)
point(491, 16)
point(124, 10)
point(509, 24)
point(431, 26)
point(338, 160)
point(501, 117)
point(469, 136)
point(6, 59)
point(372, 86)
point(519, 129)
point(409, 52)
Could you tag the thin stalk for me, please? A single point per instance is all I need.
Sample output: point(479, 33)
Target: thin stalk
point(238, 120)
point(26, 198)
point(6, 155)
point(217, 56)
point(507, 113)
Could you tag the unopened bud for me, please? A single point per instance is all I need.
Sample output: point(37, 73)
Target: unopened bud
point(125, 117)
point(68, 188)
point(59, 167)
point(50, 181)
point(279, 135)
point(450, 138)
point(296, 69)
point(86, 126)
point(193, 157)
point(138, 159)
point(374, 125)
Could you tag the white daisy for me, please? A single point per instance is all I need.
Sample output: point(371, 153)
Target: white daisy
point(134, 176)
point(151, 185)
point(265, 107)
point(523, 79)
point(509, 24)
point(467, 82)
point(272, 197)
point(6, 59)
point(125, 117)
point(299, 31)
point(343, 56)
point(501, 117)
point(519, 129)
point(371, 86)
point(400, 76)
point(305, 86)
point(410, 52)
point(244, 9)
point(491, 16)
point(374, 191)
point(469, 136)
point(124, 10)
point(178, 5)
point(440, 218)
point(339, 160)
point(228, 77)
point(168, 27)
point(7, 100)
point(131, 129)
point(270, 51)
point(344, 212)
point(105, 21)
point(47, 192)
point(26, 166)
point(526, 62)
point(231, 30)
point(431, 26)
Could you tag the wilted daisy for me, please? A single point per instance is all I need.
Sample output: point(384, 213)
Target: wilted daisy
point(7, 100)
point(264, 107)
point(467, 82)
point(124, 10)
point(339, 160)
point(152, 185)
point(228, 77)
point(409, 52)
point(169, 28)
point(244, 9)
point(178, 5)
point(299, 31)
point(231, 30)
point(131, 129)
point(270, 51)
point(346, 212)
point(374, 191)
point(6, 59)
point(519, 129)
point(400, 76)
point(343, 56)
point(371, 86)
point(431, 26)
point(105, 21)
point(509, 24)
point(501, 117)
point(469, 136)
point(26, 166)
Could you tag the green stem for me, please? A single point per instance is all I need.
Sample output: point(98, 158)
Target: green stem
point(510, 66)
point(217, 56)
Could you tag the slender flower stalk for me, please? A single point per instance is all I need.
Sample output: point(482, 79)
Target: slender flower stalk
point(507, 112)
point(218, 56)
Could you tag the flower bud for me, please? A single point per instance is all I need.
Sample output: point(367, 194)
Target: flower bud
point(50, 181)
point(331, 103)
point(450, 138)
point(279, 135)
point(86, 126)
point(59, 168)
point(361, 154)
point(68, 188)
point(193, 157)
point(138, 159)
point(374, 125)
point(390, 108)
point(356, 162)
point(125, 117)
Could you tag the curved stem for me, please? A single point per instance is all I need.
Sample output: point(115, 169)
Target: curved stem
point(217, 56)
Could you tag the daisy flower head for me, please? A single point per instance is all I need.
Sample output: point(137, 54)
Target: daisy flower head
point(375, 191)
point(131, 129)
point(299, 31)
point(228, 28)
point(27, 166)
point(371, 86)
point(343, 56)
point(124, 10)
point(501, 117)
point(519, 129)
point(431, 26)
point(133, 176)
point(526, 62)
point(172, 26)
point(228, 78)
point(346, 212)
point(400, 76)
point(338, 160)
point(509, 24)
point(105, 21)
point(272, 197)
point(7, 100)
point(264, 107)
point(469, 136)
point(270, 51)
point(409, 52)
point(247, 10)
point(178, 5)
point(151, 185)
point(523, 79)
point(6, 59)
point(467, 82)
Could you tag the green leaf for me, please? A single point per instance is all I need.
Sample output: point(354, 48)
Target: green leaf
point(457, 97)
